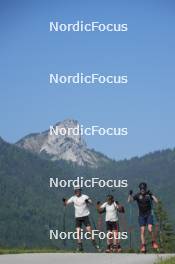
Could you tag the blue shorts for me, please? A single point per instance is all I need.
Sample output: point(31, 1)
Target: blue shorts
point(146, 220)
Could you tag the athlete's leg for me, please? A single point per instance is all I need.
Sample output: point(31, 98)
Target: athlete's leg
point(115, 232)
point(142, 238)
point(78, 230)
point(109, 236)
point(116, 239)
point(109, 241)
point(154, 243)
point(142, 234)
point(87, 224)
point(89, 229)
point(151, 232)
point(142, 224)
point(150, 226)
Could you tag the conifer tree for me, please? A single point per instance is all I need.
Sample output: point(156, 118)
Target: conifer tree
point(166, 233)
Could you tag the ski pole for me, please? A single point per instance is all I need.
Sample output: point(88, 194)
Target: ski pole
point(130, 226)
point(64, 220)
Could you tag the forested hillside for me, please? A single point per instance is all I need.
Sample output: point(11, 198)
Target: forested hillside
point(29, 208)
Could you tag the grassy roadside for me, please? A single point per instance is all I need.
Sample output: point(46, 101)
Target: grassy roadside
point(34, 250)
point(167, 261)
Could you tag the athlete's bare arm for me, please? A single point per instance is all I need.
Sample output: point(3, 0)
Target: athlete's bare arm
point(66, 201)
point(98, 206)
point(130, 197)
point(155, 199)
point(88, 201)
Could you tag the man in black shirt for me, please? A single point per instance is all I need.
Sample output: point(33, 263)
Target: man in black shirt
point(144, 200)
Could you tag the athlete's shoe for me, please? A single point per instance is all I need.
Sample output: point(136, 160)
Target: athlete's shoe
point(119, 249)
point(115, 249)
point(155, 245)
point(109, 249)
point(143, 248)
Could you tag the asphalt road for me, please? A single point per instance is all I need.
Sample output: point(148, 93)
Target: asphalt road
point(72, 258)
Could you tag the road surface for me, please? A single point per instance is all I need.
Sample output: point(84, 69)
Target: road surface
point(72, 258)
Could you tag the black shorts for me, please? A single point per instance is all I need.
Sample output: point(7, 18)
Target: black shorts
point(146, 220)
point(79, 221)
point(110, 226)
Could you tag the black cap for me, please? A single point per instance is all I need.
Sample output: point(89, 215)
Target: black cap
point(143, 185)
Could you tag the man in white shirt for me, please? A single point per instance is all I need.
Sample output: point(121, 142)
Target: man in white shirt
point(81, 204)
point(110, 207)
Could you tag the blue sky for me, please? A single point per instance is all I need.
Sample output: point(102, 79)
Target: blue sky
point(29, 52)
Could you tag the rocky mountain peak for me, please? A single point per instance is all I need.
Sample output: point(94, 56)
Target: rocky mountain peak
point(62, 141)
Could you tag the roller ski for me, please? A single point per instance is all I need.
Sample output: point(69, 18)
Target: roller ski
point(109, 249)
point(79, 248)
point(96, 246)
point(155, 246)
point(143, 249)
point(116, 249)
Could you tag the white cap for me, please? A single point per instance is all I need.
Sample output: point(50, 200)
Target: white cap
point(76, 188)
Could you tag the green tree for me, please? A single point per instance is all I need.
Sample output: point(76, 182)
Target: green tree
point(166, 234)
